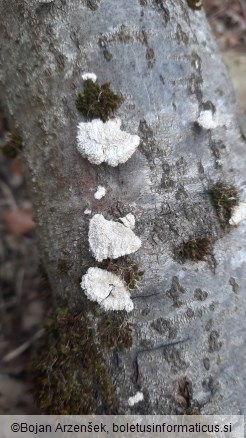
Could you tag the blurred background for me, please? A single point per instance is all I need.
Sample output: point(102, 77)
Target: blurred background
point(227, 19)
point(24, 290)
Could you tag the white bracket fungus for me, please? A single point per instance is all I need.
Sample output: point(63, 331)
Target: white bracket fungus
point(207, 120)
point(109, 239)
point(136, 398)
point(107, 289)
point(105, 142)
point(86, 76)
point(238, 214)
point(87, 211)
point(100, 193)
point(128, 221)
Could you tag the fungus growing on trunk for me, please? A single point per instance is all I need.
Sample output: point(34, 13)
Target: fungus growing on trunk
point(135, 398)
point(207, 120)
point(91, 76)
point(128, 221)
point(110, 240)
point(238, 214)
point(105, 142)
point(106, 289)
point(100, 193)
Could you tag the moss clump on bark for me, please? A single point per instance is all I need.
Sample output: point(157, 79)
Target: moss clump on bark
point(193, 410)
point(13, 145)
point(115, 332)
point(194, 249)
point(125, 268)
point(98, 101)
point(62, 266)
point(196, 5)
point(68, 370)
point(224, 197)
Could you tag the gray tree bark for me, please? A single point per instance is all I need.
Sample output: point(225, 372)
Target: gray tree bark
point(161, 56)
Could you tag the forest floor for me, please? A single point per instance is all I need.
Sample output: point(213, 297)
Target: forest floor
point(228, 22)
point(23, 291)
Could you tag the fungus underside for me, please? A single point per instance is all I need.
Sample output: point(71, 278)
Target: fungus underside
point(98, 101)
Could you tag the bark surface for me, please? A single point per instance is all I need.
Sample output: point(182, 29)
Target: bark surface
point(189, 319)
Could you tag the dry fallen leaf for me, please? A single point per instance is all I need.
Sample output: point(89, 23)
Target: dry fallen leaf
point(19, 221)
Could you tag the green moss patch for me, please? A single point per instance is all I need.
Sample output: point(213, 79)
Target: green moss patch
point(115, 332)
point(68, 370)
point(126, 269)
point(98, 101)
point(193, 410)
point(224, 198)
point(62, 266)
point(196, 5)
point(194, 249)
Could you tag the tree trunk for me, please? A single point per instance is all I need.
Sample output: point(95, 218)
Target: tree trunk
point(161, 57)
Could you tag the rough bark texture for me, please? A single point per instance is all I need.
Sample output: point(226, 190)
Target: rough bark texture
point(160, 55)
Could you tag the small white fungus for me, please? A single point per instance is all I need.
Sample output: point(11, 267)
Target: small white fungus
point(109, 239)
point(136, 398)
point(86, 76)
point(197, 64)
point(105, 142)
point(238, 214)
point(100, 193)
point(128, 221)
point(87, 211)
point(107, 289)
point(207, 120)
